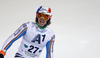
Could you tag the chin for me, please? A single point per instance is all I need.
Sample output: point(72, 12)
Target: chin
point(41, 25)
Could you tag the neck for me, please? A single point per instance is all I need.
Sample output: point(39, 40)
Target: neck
point(41, 27)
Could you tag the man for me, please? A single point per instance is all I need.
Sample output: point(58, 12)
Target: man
point(35, 36)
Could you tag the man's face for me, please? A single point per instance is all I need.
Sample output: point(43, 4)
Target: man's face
point(42, 19)
point(41, 22)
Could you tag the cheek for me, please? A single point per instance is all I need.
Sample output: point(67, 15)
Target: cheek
point(45, 22)
point(38, 20)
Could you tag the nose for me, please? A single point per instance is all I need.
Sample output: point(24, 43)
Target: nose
point(42, 18)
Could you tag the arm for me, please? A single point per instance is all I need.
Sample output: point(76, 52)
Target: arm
point(49, 48)
point(15, 36)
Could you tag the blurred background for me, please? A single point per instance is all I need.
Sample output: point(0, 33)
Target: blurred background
point(76, 24)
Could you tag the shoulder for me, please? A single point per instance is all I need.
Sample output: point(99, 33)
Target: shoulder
point(28, 24)
point(50, 31)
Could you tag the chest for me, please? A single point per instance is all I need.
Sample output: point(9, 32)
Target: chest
point(33, 36)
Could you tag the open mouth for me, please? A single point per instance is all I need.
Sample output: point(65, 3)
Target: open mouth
point(41, 21)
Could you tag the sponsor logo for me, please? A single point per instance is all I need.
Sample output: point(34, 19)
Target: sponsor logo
point(24, 26)
point(40, 51)
point(53, 36)
point(42, 9)
point(26, 46)
point(17, 32)
point(30, 54)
